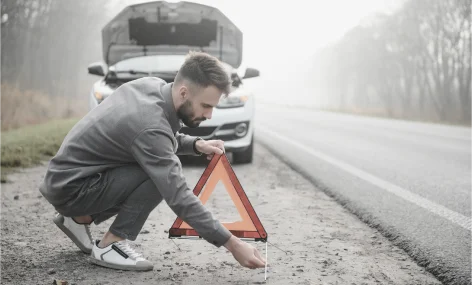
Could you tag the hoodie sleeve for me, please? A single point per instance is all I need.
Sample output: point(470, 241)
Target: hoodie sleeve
point(153, 149)
point(185, 144)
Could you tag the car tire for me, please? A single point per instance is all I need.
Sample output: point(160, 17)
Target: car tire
point(244, 156)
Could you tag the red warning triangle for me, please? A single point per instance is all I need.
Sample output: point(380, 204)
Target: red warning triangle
point(219, 169)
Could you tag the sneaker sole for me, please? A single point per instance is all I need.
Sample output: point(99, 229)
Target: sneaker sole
point(59, 221)
point(119, 267)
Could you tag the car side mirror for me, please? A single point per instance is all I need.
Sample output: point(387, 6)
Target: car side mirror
point(97, 68)
point(250, 73)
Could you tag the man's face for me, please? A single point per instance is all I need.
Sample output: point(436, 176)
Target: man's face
point(198, 105)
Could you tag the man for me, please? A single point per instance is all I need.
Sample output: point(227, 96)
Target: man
point(121, 159)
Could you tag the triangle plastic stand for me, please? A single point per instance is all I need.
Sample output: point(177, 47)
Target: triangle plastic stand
point(219, 169)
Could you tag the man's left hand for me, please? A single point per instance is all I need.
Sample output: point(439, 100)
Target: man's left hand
point(210, 147)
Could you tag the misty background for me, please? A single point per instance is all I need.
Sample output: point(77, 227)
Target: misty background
point(408, 59)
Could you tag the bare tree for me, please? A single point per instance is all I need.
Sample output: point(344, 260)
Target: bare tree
point(414, 63)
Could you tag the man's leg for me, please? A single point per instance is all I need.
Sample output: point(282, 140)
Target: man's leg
point(126, 191)
point(131, 214)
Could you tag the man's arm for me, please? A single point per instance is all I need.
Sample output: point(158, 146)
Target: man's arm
point(153, 150)
point(185, 144)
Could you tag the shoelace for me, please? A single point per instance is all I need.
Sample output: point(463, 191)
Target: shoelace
point(124, 246)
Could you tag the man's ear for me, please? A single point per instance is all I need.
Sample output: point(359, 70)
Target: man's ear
point(183, 93)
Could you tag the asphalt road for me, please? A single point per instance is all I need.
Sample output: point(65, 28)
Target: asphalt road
point(410, 180)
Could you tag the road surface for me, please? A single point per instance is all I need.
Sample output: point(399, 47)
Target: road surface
point(322, 242)
point(410, 180)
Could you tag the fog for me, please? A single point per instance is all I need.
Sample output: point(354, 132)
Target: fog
point(403, 59)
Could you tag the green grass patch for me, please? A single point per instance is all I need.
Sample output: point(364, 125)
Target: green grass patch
point(28, 146)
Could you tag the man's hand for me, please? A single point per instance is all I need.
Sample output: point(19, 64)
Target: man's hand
point(247, 255)
point(210, 147)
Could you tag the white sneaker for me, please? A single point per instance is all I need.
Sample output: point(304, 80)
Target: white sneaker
point(119, 255)
point(78, 233)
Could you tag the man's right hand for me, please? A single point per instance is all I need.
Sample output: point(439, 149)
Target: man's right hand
point(247, 255)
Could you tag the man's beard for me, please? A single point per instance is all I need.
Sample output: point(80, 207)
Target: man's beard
point(186, 114)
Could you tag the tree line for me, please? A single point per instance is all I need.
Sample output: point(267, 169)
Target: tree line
point(414, 63)
point(47, 44)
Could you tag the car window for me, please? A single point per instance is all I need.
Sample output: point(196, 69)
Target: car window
point(158, 63)
point(152, 63)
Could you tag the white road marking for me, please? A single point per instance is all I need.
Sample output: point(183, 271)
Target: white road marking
point(411, 197)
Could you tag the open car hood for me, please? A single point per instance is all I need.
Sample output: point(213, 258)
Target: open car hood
point(160, 27)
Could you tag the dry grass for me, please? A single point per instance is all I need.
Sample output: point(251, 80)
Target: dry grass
point(28, 146)
point(21, 108)
point(33, 126)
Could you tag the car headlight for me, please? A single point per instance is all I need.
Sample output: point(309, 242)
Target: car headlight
point(100, 96)
point(232, 101)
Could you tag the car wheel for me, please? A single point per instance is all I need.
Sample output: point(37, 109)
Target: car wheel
point(244, 156)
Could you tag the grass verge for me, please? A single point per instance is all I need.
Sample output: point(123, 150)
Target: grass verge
point(28, 146)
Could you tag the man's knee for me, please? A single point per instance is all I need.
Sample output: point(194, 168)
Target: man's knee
point(149, 194)
point(146, 195)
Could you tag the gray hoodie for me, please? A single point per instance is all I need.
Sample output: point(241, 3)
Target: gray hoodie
point(138, 123)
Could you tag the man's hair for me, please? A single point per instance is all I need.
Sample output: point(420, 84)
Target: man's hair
point(204, 70)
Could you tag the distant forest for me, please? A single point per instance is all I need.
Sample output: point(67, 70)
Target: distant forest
point(412, 64)
point(46, 47)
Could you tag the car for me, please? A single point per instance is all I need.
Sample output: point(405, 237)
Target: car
point(153, 39)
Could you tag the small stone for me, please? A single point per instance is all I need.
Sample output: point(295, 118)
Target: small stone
point(16, 197)
point(300, 270)
point(172, 279)
point(293, 274)
point(324, 274)
point(145, 232)
point(51, 271)
point(166, 231)
point(373, 236)
point(167, 252)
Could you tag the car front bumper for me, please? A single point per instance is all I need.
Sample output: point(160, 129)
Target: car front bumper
point(225, 124)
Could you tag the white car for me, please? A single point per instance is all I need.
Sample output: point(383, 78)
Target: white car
point(152, 39)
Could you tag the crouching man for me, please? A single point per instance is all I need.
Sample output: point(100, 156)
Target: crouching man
point(121, 159)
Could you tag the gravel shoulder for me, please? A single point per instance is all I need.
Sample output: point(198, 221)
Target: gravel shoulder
point(322, 242)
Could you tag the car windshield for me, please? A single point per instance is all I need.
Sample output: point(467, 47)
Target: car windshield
point(154, 64)
point(150, 64)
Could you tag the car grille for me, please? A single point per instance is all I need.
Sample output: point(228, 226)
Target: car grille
point(197, 132)
point(208, 131)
